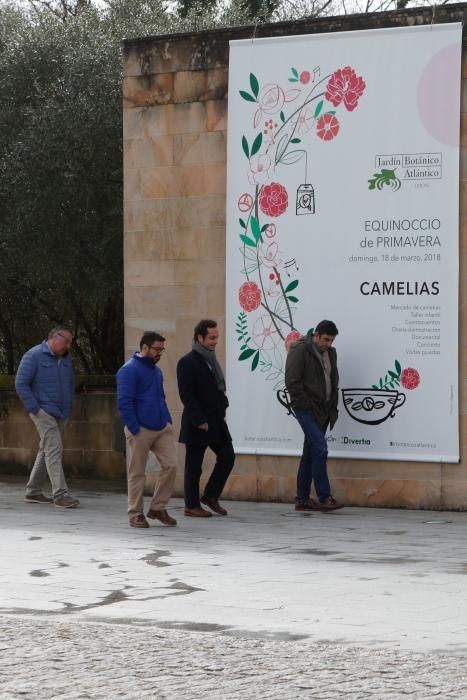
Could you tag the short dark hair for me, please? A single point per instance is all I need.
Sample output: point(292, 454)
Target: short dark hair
point(150, 337)
point(59, 329)
point(326, 328)
point(202, 327)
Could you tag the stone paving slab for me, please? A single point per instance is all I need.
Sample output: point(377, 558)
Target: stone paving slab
point(367, 602)
point(366, 576)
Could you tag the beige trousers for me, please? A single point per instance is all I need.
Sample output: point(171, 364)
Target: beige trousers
point(162, 444)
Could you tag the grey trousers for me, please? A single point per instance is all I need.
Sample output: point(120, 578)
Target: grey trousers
point(49, 457)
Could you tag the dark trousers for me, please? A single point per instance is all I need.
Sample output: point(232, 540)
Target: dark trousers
point(313, 464)
point(193, 467)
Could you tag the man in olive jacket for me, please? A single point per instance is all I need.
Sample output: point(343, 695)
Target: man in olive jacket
point(312, 380)
point(201, 385)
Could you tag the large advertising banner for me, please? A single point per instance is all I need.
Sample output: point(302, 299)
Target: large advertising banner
point(343, 187)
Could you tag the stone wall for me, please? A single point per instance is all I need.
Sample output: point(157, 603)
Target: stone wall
point(93, 438)
point(175, 128)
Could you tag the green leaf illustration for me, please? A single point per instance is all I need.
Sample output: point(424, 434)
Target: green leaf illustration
point(293, 299)
point(254, 84)
point(248, 241)
point(282, 116)
point(295, 72)
point(373, 386)
point(255, 229)
point(295, 140)
point(254, 364)
point(398, 367)
point(263, 228)
point(331, 111)
point(246, 354)
point(242, 223)
point(291, 286)
point(246, 96)
point(245, 147)
point(293, 80)
point(257, 144)
point(292, 157)
point(318, 109)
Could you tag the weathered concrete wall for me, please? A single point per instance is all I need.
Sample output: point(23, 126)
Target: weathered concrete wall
point(91, 439)
point(175, 128)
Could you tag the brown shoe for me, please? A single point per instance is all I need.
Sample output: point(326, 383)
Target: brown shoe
point(38, 498)
point(138, 521)
point(197, 512)
point(214, 505)
point(66, 501)
point(330, 503)
point(162, 516)
point(307, 505)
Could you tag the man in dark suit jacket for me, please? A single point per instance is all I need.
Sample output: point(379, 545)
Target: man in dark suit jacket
point(201, 385)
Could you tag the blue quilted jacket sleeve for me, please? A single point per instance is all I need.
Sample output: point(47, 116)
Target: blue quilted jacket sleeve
point(126, 394)
point(24, 378)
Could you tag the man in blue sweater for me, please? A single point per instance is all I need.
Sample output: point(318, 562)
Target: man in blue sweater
point(148, 427)
point(45, 384)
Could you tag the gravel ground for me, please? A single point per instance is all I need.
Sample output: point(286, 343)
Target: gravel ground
point(45, 659)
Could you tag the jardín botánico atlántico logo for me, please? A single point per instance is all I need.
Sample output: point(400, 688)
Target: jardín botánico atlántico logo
point(397, 168)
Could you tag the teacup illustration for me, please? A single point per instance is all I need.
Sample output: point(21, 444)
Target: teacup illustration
point(372, 406)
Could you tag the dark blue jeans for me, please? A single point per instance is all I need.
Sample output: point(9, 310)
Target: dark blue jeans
point(313, 467)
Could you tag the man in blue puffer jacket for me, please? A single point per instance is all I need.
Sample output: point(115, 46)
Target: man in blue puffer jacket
point(45, 384)
point(148, 427)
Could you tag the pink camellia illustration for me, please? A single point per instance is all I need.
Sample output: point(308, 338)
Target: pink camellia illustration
point(410, 378)
point(260, 166)
point(305, 120)
point(327, 127)
point(249, 296)
point(305, 77)
point(273, 199)
point(265, 334)
point(271, 99)
point(270, 255)
point(345, 86)
point(291, 338)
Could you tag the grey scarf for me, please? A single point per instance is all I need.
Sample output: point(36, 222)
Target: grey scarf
point(214, 366)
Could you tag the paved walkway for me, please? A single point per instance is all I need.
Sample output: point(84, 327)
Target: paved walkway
point(263, 603)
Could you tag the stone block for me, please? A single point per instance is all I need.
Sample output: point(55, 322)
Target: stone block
point(80, 435)
point(132, 185)
point(139, 153)
point(100, 408)
point(149, 273)
point(454, 494)
point(15, 460)
point(148, 90)
point(104, 464)
point(241, 488)
point(165, 301)
point(277, 466)
point(198, 272)
point(20, 435)
point(391, 493)
point(245, 465)
point(181, 181)
point(216, 115)
point(277, 489)
point(208, 147)
point(184, 118)
point(133, 123)
point(383, 470)
point(216, 302)
point(73, 464)
point(193, 86)
point(176, 54)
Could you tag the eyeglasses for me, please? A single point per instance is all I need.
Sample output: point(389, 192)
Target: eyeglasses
point(159, 350)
